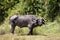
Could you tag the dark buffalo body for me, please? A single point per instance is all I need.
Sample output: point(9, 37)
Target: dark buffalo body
point(30, 21)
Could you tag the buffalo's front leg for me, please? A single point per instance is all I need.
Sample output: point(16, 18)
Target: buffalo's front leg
point(12, 28)
point(30, 30)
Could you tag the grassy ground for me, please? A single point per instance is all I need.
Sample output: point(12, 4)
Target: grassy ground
point(33, 37)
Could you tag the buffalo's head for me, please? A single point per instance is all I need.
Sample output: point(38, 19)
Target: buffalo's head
point(40, 21)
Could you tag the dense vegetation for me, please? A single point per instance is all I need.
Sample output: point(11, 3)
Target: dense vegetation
point(48, 9)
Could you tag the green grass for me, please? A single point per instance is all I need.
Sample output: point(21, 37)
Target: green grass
point(39, 37)
point(51, 28)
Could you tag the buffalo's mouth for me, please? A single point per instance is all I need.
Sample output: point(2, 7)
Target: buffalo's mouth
point(40, 22)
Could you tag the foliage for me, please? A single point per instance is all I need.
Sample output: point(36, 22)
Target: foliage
point(44, 8)
point(48, 9)
point(4, 6)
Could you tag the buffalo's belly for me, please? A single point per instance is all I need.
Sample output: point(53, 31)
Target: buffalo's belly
point(23, 21)
point(22, 24)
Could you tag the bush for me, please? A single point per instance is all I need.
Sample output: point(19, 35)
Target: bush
point(21, 31)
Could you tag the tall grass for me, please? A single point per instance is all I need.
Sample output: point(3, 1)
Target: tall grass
point(50, 28)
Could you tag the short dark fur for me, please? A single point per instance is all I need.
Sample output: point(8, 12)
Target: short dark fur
point(30, 21)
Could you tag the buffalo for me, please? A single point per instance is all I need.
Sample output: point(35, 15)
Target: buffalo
point(30, 21)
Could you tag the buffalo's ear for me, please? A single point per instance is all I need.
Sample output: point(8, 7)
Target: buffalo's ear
point(43, 21)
